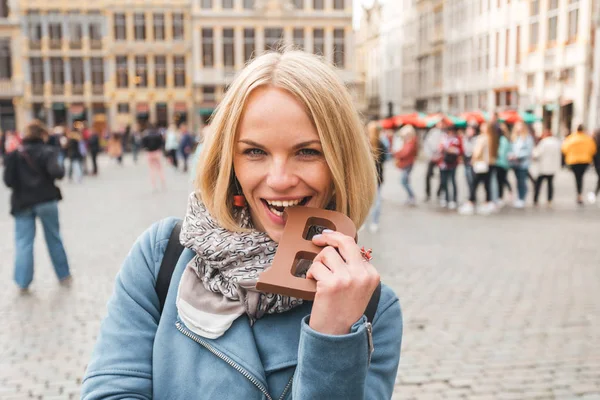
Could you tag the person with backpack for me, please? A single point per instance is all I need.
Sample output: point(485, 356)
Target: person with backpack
point(451, 150)
point(30, 172)
point(286, 134)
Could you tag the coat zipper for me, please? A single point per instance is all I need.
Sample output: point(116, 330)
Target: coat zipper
point(370, 340)
point(232, 363)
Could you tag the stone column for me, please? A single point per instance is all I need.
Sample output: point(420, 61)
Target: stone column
point(238, 43)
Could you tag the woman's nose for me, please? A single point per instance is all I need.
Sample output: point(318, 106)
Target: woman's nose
point(281, 177)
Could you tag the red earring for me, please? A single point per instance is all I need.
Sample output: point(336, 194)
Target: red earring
point(239, 200)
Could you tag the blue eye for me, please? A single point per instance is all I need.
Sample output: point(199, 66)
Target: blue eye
point(254, 152)
point(309, 152)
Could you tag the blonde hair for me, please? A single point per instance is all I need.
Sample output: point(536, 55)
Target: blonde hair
point(329, 106)
point(373, 134)
point(518, 129)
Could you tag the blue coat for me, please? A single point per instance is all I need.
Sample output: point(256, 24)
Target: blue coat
point(142, 355)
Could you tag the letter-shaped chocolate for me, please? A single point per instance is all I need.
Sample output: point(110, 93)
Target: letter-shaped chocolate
point(280, 277)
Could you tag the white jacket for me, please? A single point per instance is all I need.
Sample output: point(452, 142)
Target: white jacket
point(431, 146)
point(548, 156)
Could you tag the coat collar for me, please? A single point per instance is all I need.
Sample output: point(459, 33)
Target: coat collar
point(269, 345)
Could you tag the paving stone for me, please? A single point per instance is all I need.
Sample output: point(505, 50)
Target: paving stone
point(490, 303)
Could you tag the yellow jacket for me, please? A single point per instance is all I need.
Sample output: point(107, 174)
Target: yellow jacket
point(579, 148)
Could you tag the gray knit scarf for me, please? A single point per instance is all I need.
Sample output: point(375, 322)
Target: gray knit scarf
point(219, 283)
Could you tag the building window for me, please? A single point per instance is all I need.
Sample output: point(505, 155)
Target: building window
point(122, 72)
point(534, 30)
point(178, 26)
point(5, 60)
point(208, 47)
point(159, 26)
point(338, 4)
point(208, 94)
point(318, 4)
point(530, 81)
point(507, 47)
point(4, 9)
point(227, 4)
point(573, 27)
point(37, 75)
point(75, 35)
point(249, 44)
point(248, 4)
point(299, 4)
point(319, 41)
point(497, 64)
point(552, 28)
point(437, 69)
point(207, 4)
point(534, 8)
point(35, 35)
point(55, 35)
point(120, 27)
point(179, 71)
point(549, 78)
point(273, 38)
point(299, 38)
point(57, 75)
point(97, 75)
point(95, 34)
point(77, 75)
point(160, 71)
point(123, 108)
point(141, 73)
point(139, 23)
point(569, 76)
point(518, 51)
point(339, 47)
point(228, 48)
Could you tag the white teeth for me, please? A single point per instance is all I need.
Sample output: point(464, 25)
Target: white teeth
point(283, 203)
point(278, 213)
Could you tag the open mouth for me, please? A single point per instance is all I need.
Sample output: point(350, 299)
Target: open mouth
point(277, 207)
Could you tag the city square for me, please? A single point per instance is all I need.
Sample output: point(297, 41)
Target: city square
point(496, 307)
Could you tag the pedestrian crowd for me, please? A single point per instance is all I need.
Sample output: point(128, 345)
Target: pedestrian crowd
point(488, 151)
point(34, 160)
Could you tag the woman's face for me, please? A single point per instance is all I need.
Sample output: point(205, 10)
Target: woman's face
point(278, 159)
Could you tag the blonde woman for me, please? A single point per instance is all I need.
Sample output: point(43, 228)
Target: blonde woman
point(379, 153)
point(285, 134)
point(520, 158)
point(405, 159)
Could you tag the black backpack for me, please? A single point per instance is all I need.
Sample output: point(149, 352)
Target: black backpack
point(174, 250)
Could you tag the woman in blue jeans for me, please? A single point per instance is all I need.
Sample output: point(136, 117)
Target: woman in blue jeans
point(30, 173)
point(520, 158)
point(405, 159)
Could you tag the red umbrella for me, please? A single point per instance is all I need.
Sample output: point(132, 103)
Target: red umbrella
point(476, 116)
point(387, 123)
point(509, 116)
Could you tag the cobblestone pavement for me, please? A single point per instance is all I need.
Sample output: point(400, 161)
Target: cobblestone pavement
point(498, 307)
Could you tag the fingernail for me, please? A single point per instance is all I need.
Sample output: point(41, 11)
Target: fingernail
point(327, 231)
point(317, 236)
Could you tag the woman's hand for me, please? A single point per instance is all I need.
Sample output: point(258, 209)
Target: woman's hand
point(345, 283)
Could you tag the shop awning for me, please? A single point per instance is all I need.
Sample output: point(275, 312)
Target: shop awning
point(142, 108)
point(205, 110)
point(180, 107)
point(58, 106)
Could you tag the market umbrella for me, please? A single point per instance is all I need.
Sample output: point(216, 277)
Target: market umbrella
point(477, 116)
point(457, 122)
point(387, 123)
point(414, 119)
